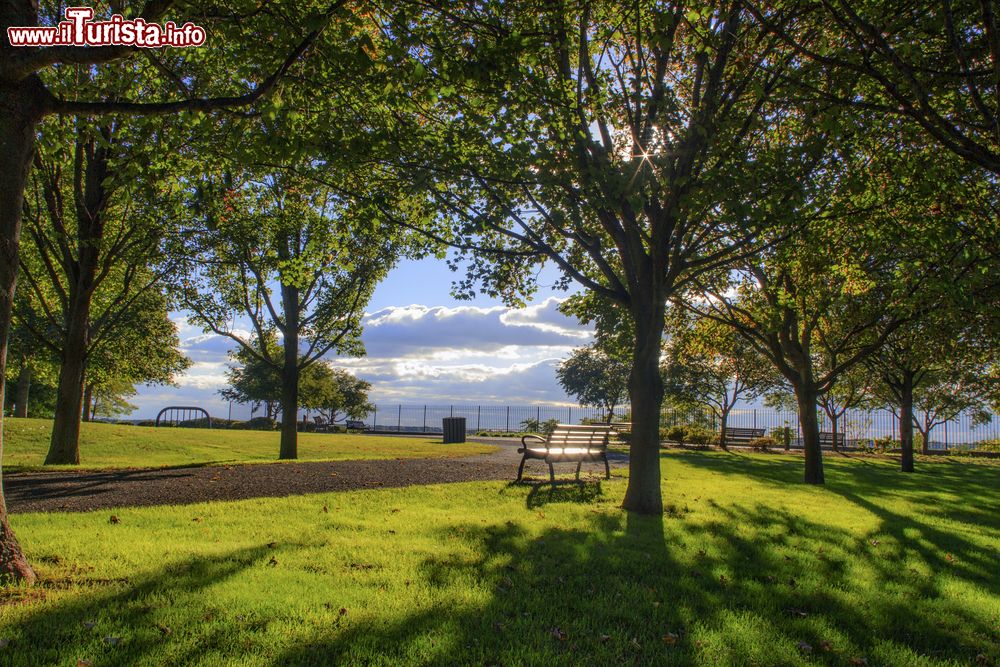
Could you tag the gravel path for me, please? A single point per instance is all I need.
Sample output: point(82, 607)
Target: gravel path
point(77, 491)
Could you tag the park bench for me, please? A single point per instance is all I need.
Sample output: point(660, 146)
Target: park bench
point(742, 436)
point(323, 426)
point(826, 439)
point(567, 443)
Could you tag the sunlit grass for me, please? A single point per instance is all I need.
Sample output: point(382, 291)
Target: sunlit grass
point(747, 566)
point(26, 442)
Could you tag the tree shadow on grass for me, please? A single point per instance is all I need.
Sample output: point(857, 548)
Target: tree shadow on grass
point(941, 496)
point(749, 587)
point(131, 622)
point(561, 491)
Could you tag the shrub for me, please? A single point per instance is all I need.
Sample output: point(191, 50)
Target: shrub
point(261, 424)
point(676, 433)
point(763, 444)
point(699, 435)
point(782, 435)
point(884, 444)
point(987, 446)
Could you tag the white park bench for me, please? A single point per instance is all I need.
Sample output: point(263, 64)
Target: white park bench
point(567, 443)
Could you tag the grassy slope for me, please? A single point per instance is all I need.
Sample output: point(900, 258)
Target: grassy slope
point(746, 564)
point(112, 446)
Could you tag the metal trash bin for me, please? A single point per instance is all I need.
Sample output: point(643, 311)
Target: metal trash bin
point(454, 429)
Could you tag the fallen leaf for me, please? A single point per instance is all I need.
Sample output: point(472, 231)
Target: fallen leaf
point(273, 561)
point(949, 558)
point(825, 646)
point(271, 545)
point(559, 634)
point(197, 519)
point(670, 639)
point(114, 519)
point(80, 662)
point(859, 661)
point(164, 630)
point(326, 509)
point(343, 611)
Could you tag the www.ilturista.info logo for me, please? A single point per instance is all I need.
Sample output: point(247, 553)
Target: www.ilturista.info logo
point(80, 30)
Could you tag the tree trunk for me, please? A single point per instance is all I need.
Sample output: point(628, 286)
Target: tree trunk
point(925, 446)
point(906, 421)
point(64, 447)
point(21, 107)
point(89, 409)
point(290, 375)
point(723, 420)
point(833, 426)
point(643, 494)
point(805, 395)
point(23, 388)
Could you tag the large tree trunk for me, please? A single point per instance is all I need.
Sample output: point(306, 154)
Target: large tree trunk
point(805, 396)
point(64, 447)
point(21, 107)
point(643, 494)
point(23, 389)
point(290, 375)
point(906, 421)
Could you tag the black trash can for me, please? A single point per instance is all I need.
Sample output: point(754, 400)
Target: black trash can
point(454, 429)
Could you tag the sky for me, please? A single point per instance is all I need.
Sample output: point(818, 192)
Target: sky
point(423, 347)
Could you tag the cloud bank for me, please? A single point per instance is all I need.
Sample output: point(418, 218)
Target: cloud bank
point(417, 354)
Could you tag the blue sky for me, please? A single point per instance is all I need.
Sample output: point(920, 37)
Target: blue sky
point(424, 346)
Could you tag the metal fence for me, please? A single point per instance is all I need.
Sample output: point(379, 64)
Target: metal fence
point(863, 427)
point(859, 427)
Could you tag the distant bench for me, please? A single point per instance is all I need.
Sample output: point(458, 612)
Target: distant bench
point(826, 439)
point(568, 443)
point(323, 426)
point(742, 436)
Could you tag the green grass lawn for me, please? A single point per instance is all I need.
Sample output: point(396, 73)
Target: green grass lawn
point(747, 566)
point(26, 442)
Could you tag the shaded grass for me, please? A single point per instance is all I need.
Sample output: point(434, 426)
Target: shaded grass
point(104, 446)
point(747, 566)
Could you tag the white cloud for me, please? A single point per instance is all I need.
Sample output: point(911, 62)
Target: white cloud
point(417, 354)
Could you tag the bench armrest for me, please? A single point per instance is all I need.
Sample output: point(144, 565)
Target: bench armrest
point(524, 445)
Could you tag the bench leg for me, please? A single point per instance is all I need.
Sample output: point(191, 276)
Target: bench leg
point(578, 464)
point(607, 468)
point(520, 470)
point(552, 472)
